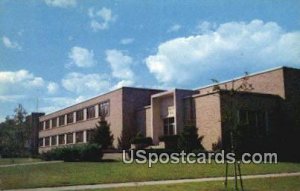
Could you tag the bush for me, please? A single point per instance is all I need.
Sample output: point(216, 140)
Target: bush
point(189, 139)
point(170, 141)
point(142, 140)
point(87, 152)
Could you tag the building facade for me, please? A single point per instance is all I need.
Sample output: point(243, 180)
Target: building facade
point(274, 94)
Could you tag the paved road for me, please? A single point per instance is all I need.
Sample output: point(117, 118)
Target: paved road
point(134, 184)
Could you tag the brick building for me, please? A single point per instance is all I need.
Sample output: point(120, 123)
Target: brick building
point(273, 100)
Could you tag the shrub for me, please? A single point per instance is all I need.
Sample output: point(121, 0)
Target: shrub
point(86, 152)
point(102, 134)
point(189, 139)
point(170, 141)
point(141, 142)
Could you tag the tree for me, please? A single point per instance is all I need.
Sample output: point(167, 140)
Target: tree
point(14, 132)
point(189, 139)
point(102, 134)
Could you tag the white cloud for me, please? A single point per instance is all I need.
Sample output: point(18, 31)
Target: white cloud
point(82, 57)
point(174, 28)
point(61, 3)
point(123, 83)
point(101, 19)
point(233, 47)
point(125, 41)
point(52, 87)
point(120, 64)
point(205, 27)
point(87, 84)
point(10, 44)
point(19, 84)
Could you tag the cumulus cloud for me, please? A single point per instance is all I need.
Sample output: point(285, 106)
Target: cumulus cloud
point(10, 44)
point(82, 57)
point(125, 41)
point(101, 19)
point(22, 83)
point(120, 65)
point(233, 47)
point(52, 87)
point(87, 84)
point(174, 28)
point(61, 3)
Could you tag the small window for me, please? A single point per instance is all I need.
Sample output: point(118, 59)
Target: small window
point(61, 120)
point(91, 112)
point(61, 139)
point(41, 126)
point(54, 122)
point(69, 138)
point(47, 141)
point(104, 109)
point(70, 118)
point(79, 115)
point(79, 137)
point(41, 142)
point(89, 135)
point(53, 141)
point(47, 124)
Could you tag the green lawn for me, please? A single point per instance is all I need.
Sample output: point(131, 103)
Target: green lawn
point(6, 161)
point(274, 184)
point(60, 174)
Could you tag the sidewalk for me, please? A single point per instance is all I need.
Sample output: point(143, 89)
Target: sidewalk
point(30, 163)
point(134, 184)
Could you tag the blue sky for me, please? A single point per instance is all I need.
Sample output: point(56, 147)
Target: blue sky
point(61, 52)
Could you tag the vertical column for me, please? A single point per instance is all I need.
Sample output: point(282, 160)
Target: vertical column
point(50, 123)
point(96, 111)
point(65, 117)
point(74, 137)
point(50, 140)
point(43, 141)
point(84, 136)
point(57, 139)
point(74, 117)
point(65, 138)
point(44, 125)
point(84, 114)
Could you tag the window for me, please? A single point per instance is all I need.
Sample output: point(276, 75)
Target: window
point(169, 126)
point(54, 122)
point(53, 140)
point(47, 141)
point(69, 138)
point(79, 137)
point(41, 142)
point(70, 118)
point(47, 124)
point(255, 119)
point(41, 126)
point(104, 108)
point(61, 139)
point(89, 135)
point(91, 112)
point(79, 115)
point(61, 120)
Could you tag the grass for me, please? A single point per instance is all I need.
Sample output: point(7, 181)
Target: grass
point(62, 174)
point(7, 161)
point(274, 184)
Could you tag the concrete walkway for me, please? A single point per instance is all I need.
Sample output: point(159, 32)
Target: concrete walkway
point(30, 163)
point(134, 184)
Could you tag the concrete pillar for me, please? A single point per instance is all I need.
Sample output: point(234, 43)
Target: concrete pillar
point(50, 140)
point(74, 117)
point(43, 141)
point(57, 139)
point(84, 136)
point(84, 114)
point(65, 117)
point(96, 111)
point(74, 137)
point(50, 124)
point(65, 139)
point(44, 125)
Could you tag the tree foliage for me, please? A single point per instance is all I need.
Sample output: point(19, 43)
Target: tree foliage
point(102, 135)
point(189, 139)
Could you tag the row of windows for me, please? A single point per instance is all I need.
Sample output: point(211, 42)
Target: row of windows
point(68, 138)
point(90, 113)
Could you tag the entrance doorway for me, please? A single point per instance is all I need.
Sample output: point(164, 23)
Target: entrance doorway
point(169, 126)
